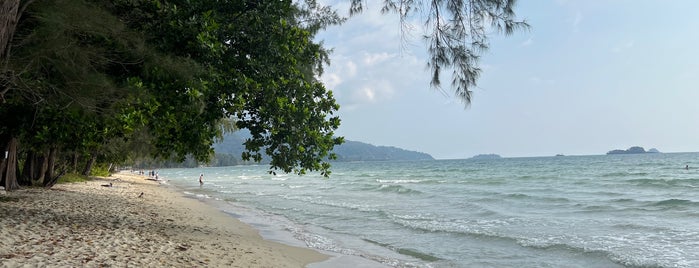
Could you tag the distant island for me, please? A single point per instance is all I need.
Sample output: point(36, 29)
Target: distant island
point(634, 150)
point(359, 151)
point(486, 156)
point(229, 149)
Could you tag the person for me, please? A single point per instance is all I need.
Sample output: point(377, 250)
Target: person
point(201, 177)
point(686, 167)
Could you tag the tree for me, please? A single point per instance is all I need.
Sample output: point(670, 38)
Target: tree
point(87, 78)
point(68, 63)
point(458, 34)
point(260, 67)
point(10, 13)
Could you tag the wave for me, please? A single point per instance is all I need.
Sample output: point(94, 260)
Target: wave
point(325, 243)
point(668, 203)
point(521, 196)
point(612, 248)
point(397, 189)
point(385, 188)
point(623, 174)
point(406, 251)
point(601, 252)
point(342, 205)
point(400, 181)
point(664, 182)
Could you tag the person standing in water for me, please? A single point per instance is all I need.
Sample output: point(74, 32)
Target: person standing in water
point(201, 179)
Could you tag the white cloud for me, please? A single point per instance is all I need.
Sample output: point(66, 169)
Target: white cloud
point(372, 92)
point(376, 58)
point(527, 42)
point(366, 94)
point(331, 80)
point(351, 70)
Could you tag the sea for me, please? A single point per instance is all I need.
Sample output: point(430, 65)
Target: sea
point(565, 211)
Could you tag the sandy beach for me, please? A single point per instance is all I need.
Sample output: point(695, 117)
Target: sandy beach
point(134, 222)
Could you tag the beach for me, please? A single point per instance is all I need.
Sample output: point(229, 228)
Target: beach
point(132, 222)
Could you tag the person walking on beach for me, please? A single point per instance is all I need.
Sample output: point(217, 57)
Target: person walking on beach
point(201, 179)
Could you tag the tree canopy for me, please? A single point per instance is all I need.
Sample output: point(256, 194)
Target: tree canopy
point(109, 81)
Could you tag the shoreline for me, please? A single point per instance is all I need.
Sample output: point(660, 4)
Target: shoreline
point(135, 222)
point(275, 229)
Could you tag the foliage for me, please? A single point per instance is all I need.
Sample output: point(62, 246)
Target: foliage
point(457, 34)
point(265, 82)
point(101, 170)
point(72, 178)
point(114, 81)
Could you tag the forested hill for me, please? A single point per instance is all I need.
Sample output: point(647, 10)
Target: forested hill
point(232, 144)
point(359, 151)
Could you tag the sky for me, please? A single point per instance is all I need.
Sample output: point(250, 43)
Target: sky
point(586, 78)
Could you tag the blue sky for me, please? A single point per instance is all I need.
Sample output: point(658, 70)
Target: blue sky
point(588, 77)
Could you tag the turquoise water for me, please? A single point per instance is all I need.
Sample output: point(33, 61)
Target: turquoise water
point(572, 211)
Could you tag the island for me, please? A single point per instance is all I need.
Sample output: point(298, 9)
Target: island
point(486, 156)
point(633, 150)
point(360, 151)
point(228, 151)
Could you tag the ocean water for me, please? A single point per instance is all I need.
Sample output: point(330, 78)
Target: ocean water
point(572, 211)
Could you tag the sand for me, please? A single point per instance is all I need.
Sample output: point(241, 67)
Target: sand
point(89, 225)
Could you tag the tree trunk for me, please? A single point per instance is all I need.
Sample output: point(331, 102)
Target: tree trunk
point(28, 170)
point(75, 162)
point(9, 16)
point(42, 164)
point(9, 171)
point(3, 163)
point(51, 163)
point(90, 162)
point(10, 13)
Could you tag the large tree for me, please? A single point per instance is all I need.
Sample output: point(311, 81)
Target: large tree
point(10, 13)
point(171, 70)
point(86, 78)
point(266, 82)
point(64, 71)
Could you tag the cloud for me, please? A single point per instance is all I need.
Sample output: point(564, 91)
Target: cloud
point(527, 42)
point(336, 74)
point(351, 69)
point(331, 80)
point(372, 92)
point(376, 58)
